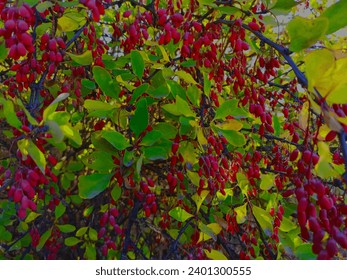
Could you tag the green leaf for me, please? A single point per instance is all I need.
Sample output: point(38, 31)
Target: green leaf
point(71, 241)
point(93, 234)
point(138, 92)
point(90, 252)
point(88, 84)
point(207, 85)
point(3, 51)
point(336, 14)
point(27, 147)
point(235, 138)
point(139, 122)
point(264, 218)
point(155, 153)
point(224, 110)
point(304, 33)
point(43, 6)
point(116, 192)
point(104, 80)
point(267, 181)
point(31, 217)
point(100, 161)
point(151, 138)
point(116, 139)
point(4, 234)
point(50, 109)
point(59, 210)
point(241, 212)
point(181, 107)
point(287, 225)
point(92, 105)
point(84, 59)
point(277, 125)
point(180, 214)
point(43, 239)
point(72, 133)
point(215, 255)
point(56, 131)
point(285, 5)
point(160, 91)
point(90, 186)
point(9, 113)
point(81, 231)
point(137, 63)
point(304, 252)
point(66, 228)
point(185, 77)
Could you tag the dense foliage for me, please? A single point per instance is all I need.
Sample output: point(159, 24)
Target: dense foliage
point(178, 129)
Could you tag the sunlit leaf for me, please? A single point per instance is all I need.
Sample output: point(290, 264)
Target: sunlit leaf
point(336, 14)
point(82, 59)
point(304, 33)
point(215, 255)
point(180, 214)
point(241, 213)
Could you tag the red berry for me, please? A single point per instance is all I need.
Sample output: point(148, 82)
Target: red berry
point(294, 155)
point(254, 26)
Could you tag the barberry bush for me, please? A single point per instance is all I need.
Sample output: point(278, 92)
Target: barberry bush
point(176, 129)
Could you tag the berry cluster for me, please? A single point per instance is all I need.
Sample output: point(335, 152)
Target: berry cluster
point(17, 22)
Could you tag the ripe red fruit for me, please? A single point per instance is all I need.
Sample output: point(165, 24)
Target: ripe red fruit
point(325, 202)
point(174, 147)
point(294, 155)
point(21, 49)
point(306, 156)
point(17, 196)
point(341, 239)
point(254, 26)
point(10, 25)
point(303, 202)
point(101, 232)
point(331, 247)
point(313, 224)
point(22, 26)
point(330, 136)
point(302, 218)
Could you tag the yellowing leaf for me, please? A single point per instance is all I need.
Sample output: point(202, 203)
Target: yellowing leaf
point(198, 199)
point(303, 116)
point(85, 58)
point(215, 255)
point(180, 214)
point(231, 125)
point(326, 76)
point(267, 181)
point(241, 212)
point(164, 53)
point(209, 231)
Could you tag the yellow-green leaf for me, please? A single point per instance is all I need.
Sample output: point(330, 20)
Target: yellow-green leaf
point(186, 77)
point(215, 255)
point(180, 214)
point(27, 147)
point(304, 32)
point(241, 212)
point(231, 125)
point(267, 181)
point(82, 59)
